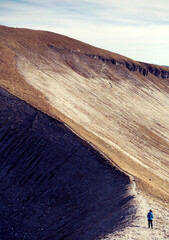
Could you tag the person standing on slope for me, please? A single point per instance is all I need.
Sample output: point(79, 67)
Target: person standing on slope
point(150, 219)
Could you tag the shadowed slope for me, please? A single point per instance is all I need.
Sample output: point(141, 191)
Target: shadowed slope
point(52, 184)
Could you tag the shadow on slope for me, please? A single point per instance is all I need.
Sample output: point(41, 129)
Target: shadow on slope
point(52, 184)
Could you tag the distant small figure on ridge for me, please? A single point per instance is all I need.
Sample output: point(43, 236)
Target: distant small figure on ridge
point(150, 219)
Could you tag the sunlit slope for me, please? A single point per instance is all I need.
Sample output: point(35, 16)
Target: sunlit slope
point(119, 105)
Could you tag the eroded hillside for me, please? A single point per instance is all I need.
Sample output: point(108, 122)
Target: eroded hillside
point(117, 104)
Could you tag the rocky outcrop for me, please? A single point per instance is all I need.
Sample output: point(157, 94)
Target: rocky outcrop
point(142, 68)
point(53, 185)
point(158, 72)
point(135, 68)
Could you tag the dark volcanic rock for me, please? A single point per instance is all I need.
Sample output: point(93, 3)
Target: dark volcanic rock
point(52, 184)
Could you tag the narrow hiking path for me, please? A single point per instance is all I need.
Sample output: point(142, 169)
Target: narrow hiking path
point(139, 229)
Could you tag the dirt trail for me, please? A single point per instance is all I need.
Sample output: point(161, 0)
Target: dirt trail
point(139, 230)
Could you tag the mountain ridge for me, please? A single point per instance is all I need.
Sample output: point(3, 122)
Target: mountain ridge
point(52, 183)
point(30, 69)
point(118, 105)
point(63, 42)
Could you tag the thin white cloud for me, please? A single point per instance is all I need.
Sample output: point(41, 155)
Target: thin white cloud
point(116, 12)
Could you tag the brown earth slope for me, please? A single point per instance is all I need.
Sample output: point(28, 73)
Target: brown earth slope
point(117, 104)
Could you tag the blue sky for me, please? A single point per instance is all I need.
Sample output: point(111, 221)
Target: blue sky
point(136, 29)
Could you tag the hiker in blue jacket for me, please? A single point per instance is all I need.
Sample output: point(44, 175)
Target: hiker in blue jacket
point(150, 219)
